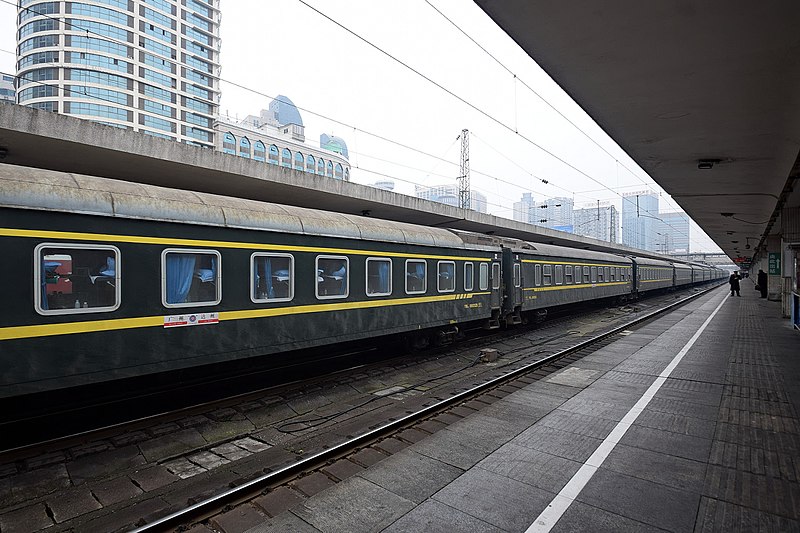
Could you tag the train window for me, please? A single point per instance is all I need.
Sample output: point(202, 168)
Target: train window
point(379, 277)
point(271, 277)
point(495, 275)
point(600, 277)
point(613, 274)
point(586, 276)
point(538, 275)
point(594, 274)
point(469, 276)
point(547, 275)
point(606, 276)
point(76, 278)
point(332, 277)
point(559, 274)
point(568, 275)
point(190, 278)
point(416, 276)
point(446, 275)
point(483, 277)
point(578, 275)
point(517, 275)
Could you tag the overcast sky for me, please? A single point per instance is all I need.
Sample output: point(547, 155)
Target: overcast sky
point(400, 125)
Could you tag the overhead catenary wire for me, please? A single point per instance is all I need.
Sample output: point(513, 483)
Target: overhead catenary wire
point(372, 134)
point(517, 80)
point(477, 109)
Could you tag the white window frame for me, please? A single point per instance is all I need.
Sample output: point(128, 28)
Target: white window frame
point(495, 276)
point(470, 278)
point(218, 281)
point(37, 279)
point(439, 274)
point(558, 272)
point(517, 275)
point(483, 277)
point(366, 276)
point(547, 275)
point(405, 276)
point(316, 276)
point(252, 278)
point(568, 275)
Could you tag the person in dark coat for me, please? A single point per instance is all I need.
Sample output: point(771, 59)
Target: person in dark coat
point(734, 282)
point(762, 282)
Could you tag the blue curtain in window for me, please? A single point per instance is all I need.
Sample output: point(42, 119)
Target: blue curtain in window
point(180, 269)
point(383, 276)
point(420, 268)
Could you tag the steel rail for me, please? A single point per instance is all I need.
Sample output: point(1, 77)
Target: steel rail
point(218, 501)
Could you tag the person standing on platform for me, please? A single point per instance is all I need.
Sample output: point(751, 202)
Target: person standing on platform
point(734, 282)
point(762, 282)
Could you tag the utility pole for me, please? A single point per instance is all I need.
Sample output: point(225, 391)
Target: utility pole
point(463, 179)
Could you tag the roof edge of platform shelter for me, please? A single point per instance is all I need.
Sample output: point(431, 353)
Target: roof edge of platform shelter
point(86, 147)
point(702, 95)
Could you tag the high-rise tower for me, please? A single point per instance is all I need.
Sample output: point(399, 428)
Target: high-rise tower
point(147, 65)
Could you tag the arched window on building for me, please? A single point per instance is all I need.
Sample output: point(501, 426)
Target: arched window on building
point(311, 163)
point(229, 143)
point(347, 174)
point(321, 166)
point(329, 169)
point(259, 151)
point(298, 161)
point(339, 172)
point(286, 158)
point(244, 147)
point(273, 154)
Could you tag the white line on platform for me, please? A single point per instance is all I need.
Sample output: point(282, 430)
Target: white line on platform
point(556, 508)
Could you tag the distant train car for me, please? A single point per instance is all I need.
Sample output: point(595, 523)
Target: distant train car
point(108, 279)
point(684, 275)
point(555, 275)
point(652, 275)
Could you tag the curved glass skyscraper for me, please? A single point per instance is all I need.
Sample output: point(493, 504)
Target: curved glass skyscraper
point(148, 65)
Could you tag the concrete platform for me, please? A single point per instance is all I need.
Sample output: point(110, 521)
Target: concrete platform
point(687, 424)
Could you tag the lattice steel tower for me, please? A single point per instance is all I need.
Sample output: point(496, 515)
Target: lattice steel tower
point(463, 179)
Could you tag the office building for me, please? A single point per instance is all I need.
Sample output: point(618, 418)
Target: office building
point(524, 209)
point(673, 233)
point(7, 91)
point(555, 213)
point(146, 65)
point(599, 222)
point(448, 194)
point(640, 220)
point(277, 136)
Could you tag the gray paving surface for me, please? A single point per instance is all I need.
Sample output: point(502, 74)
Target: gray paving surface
point(717, 448)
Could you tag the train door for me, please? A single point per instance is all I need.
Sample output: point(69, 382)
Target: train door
point(496, 279)
point(495, 283)
point(512, 274)
point(635, 278)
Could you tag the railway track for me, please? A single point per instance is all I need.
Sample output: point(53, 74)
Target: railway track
point(408, 396)
point(508, 381)
point(31, 433)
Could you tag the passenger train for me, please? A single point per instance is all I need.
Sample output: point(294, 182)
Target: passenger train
point(108, 280)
